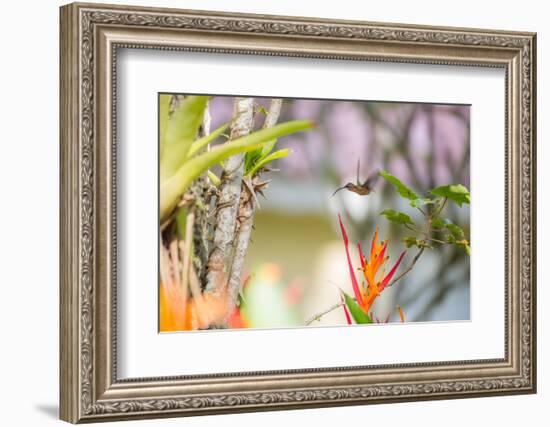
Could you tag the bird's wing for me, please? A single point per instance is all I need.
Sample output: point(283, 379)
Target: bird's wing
point(371, 180)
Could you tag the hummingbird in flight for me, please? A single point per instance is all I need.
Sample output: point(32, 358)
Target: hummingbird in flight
point(362, 189)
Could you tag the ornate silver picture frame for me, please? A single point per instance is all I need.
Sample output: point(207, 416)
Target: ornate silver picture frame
point(91, 391)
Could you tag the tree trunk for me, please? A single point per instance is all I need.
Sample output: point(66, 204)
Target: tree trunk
point(227, 205)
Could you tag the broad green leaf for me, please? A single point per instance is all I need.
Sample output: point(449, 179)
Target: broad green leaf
point(253, 157)
point(181, 131)
point(164, 110)
point(199, 144)
point(397, 217)
point(463, 243)
point(439, 222)
point(172, 188)
point(418, 203)
point(411, 241)
point(279, 154)
point(401, 188)
point(456, 231)
point(360, 317)
point(267, 148)
point(457, 193)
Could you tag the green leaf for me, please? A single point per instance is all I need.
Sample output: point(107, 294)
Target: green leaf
point(401, 188)
point(457, 193)
point(267, 148)
point(164, 111)
point(181, 131)
point(279, 154)
point(439, 222)
point(360, 317)
point(213, 178)
point(411, 241)
point(463, 243)
point(456, 231)
point(397, 217)
point(417, 203)
point(172, 188)
point(255, 156)
point(199, 144)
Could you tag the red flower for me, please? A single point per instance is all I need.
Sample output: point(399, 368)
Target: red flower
point(375, 282)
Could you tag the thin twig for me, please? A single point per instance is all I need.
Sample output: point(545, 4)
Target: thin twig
point(322, 313)
point(416, 230)
point(421, 210)
point(408, 269)
point(440, 208)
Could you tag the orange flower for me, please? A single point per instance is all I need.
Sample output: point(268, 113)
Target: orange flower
point(375, 282)
point(178, 313)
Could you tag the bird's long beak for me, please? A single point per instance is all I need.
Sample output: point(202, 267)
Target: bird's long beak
point(338, 189)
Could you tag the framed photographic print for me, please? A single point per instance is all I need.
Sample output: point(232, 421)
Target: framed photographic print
point(266, 212)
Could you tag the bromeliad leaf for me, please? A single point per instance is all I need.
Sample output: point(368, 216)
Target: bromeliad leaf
point(279, 154)
point(252, 158)
point(173, 187)
point(402, 189)
point(397, 217)
point(457, 193)
point(360, 317)
point(164, 110)
point(268, 147)
point(181, 130)
point(213, 178)
point(199, 144)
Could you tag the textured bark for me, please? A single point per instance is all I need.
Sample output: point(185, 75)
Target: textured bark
point(227, 205)
point(246, 215)
point(185, 249)
point(273, 113)
point(204, 204)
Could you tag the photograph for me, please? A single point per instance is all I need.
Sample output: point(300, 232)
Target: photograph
point(291, 213)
